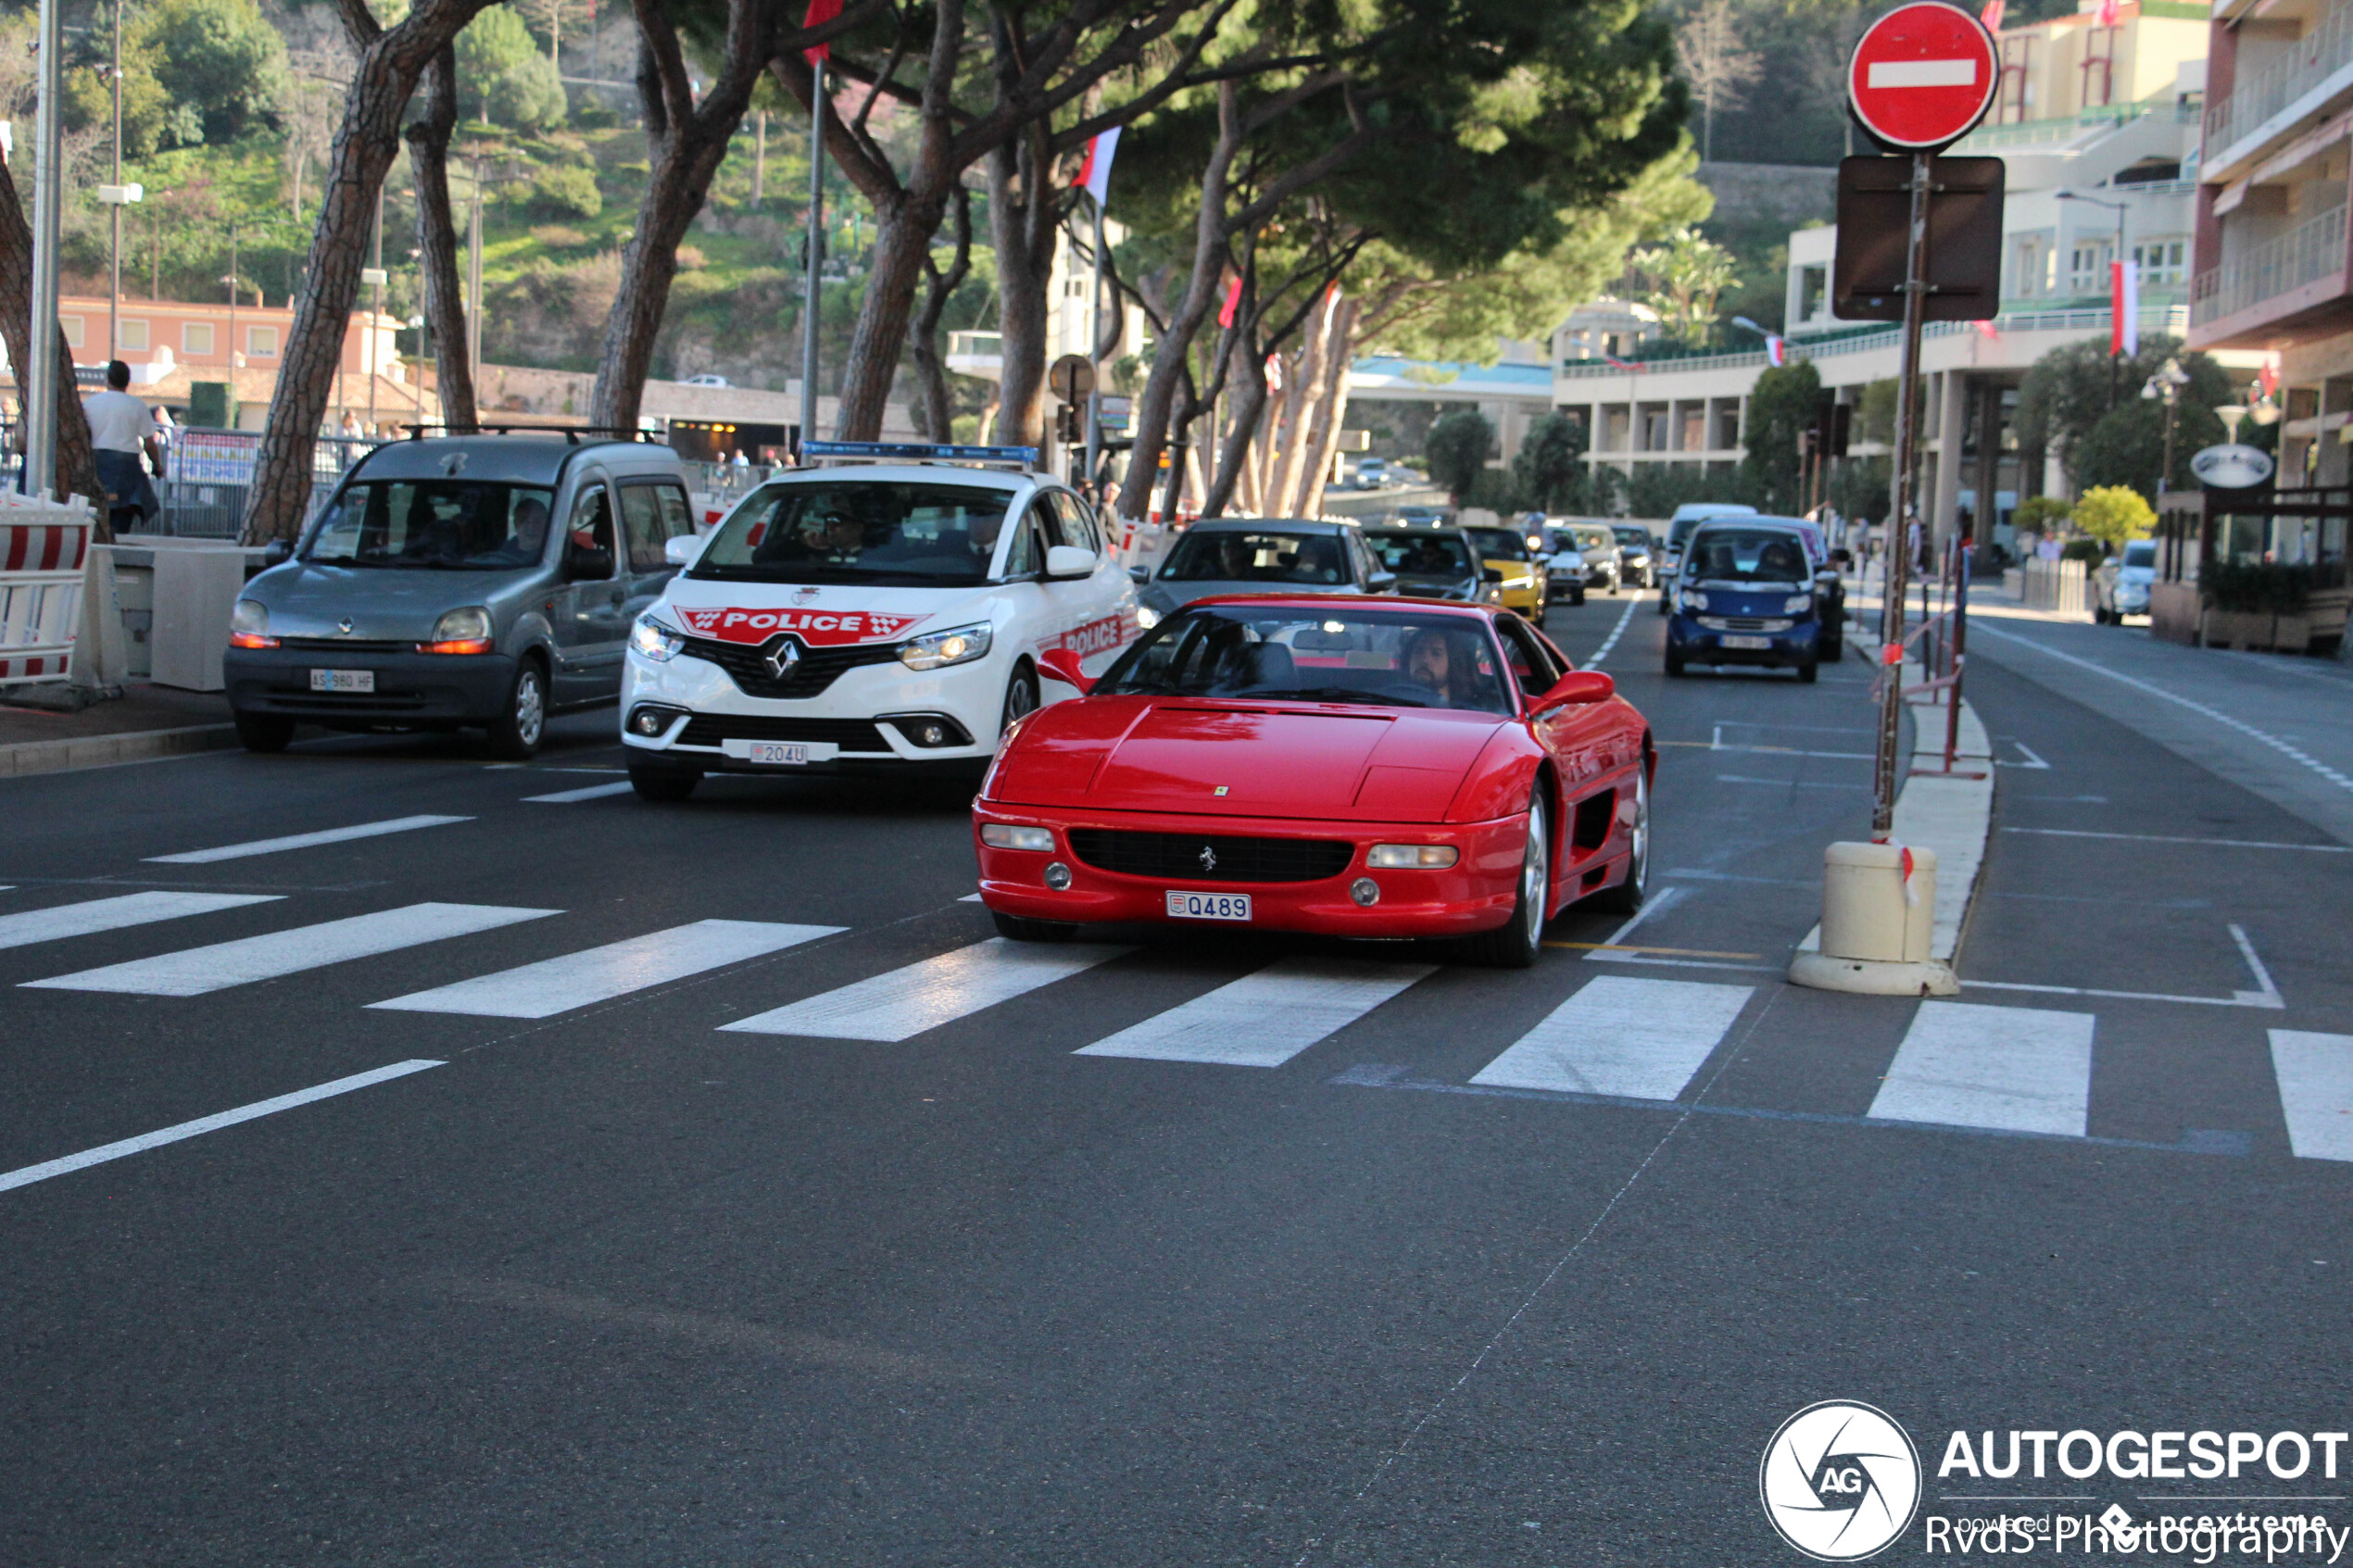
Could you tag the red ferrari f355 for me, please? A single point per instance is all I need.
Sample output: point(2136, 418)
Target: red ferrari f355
point(1371, 768)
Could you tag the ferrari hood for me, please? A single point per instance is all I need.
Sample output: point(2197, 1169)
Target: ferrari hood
point(1243, 758)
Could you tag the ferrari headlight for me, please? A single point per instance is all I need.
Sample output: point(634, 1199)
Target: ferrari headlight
point(656, 640)
point(1797, 604)
point(1004, 835)
point(1146, 618)
point(1409, 856)
point(937, 649)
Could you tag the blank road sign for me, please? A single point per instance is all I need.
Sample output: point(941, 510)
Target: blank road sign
point(1963, 262)
point(1922, 75)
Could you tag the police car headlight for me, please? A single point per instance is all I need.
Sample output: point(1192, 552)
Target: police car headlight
point(1797, 604)
point(656, 641)
point(960, 647)
point(1146, 618)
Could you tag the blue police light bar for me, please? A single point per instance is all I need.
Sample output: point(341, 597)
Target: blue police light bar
point(917, 452)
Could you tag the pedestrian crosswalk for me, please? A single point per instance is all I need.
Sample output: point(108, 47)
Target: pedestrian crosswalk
point(1981, 1067)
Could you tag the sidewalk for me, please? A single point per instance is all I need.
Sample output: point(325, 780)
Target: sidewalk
point(2276, 723)
point(147, 722)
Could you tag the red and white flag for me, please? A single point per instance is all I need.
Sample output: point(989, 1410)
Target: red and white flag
point(1273, 372)
point(1233, 304)
point(1992, 16)
point(1775, 351)
point(2110, 10)
point(2269, 375)
point(2124, 313)
point(1094, 174)
point(819, 12)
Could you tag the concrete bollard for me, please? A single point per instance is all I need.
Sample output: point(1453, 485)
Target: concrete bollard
point(1878, 923)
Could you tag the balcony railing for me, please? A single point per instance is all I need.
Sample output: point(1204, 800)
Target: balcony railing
point(2308, 252)
point(2256, 99)
point(2155, 318)
point(2065, 128)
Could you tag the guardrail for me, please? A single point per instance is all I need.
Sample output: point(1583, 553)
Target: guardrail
point(2258, 96)
point(2311, 251)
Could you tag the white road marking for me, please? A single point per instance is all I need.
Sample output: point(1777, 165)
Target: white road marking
point(1784, 784)
point(1625, 617)
point(301, 841)
point(905, 1002)
point(2315, 1074)
point(1636, 1039)
point(592, 791)
point(969, 899)
point(598, 974)
point(27, 1175)
point(1265, 1019)
point(2282, 746)
point(2033, 760)
point(197, 971)
point(113, 914)
point(1923, 73)
point(1964, 1064)
point(2165, 838)
point(1659, 904)
point(2265, 995)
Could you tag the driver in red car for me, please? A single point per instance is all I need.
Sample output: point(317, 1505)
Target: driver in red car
point(1433, 661)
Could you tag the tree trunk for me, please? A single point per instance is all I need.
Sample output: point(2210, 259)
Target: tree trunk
point(1025, 211)
point(931, 370)
point(684, 143)
point(1248, 381)
point(1302, 389)
point(77, 465)
point(390, 62)
point(1338, 357)
point(437, 239)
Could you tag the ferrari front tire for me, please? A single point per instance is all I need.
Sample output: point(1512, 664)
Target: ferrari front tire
point(1021, 928)
point(1516, 943)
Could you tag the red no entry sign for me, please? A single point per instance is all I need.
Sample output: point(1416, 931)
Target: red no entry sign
point(1922, 75)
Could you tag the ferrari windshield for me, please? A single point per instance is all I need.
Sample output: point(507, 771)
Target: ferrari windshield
point(1410, 554)
point(1746, 555)
point(434, 524)
point(1333, 653)
point(859, 531)
point(1220, 555)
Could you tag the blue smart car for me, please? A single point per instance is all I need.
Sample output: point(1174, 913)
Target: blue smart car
point(1745, 595)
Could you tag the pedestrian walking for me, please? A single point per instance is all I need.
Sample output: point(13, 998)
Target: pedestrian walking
point(122, 434)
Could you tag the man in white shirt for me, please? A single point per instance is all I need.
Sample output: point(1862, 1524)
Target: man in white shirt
point(121, 431)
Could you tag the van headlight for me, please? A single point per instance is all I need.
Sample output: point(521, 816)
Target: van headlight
point(1797, 604)
point(656, 640)
point(459, 631)
point(249, 625)
point(941, 648)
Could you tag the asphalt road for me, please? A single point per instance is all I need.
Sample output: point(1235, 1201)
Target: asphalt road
point(617, 1283)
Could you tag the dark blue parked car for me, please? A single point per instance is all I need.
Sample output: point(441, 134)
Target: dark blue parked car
point(1745, 595)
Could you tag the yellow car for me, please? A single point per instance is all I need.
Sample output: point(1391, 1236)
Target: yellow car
point(1505, 550)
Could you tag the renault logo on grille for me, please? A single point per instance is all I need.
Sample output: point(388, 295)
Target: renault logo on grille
point(781, 659)
point(1208, 859)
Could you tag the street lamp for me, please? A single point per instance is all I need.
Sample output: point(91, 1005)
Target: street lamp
point(116, 198)
point(2165, 385)
point(2120, 209)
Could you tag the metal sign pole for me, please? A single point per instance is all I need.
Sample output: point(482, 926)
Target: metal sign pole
point(1094, 341)
point(810, 296)
point(40, 381)
point(1884, 781)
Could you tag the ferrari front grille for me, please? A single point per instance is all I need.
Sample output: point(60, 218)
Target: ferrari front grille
point(1188, 856)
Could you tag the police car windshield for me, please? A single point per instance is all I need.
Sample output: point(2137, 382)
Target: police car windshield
point(434, 524)
point(1746, 555)
point(859, 531)
point(1335, 653)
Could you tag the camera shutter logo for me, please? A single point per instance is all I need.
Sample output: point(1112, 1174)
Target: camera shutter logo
point(1840, 1481)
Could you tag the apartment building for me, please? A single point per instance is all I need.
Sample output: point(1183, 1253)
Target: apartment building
point(2099, 129)
point(2273, 271)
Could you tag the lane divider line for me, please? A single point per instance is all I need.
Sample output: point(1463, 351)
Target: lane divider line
point(2166, 838)
point(1625, 619)
point(591, 791)
point(301, 841)
point(27, 1175)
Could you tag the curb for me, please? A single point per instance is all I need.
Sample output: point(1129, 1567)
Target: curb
point(1954, 816)
point(75, 752)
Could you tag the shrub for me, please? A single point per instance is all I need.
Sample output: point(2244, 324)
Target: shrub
point(529, 95)
point(568, 189)
point(691, 258)
point(2256, 587)
point(1457, 449)
point(2091, 552)
point(558, 236)
point(2113, 513)
point(2040, 514)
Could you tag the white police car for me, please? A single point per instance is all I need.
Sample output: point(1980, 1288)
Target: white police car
point(882, 612)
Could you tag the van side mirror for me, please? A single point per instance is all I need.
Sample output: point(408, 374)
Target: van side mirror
point(586, 563)
point(1578, 687)
point(1139, 575)
point(1381, 582)
point(277, 553)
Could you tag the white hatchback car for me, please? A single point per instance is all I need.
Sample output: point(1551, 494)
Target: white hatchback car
point(886, 614)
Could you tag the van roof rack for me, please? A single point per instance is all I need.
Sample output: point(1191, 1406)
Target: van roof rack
point(814, 452)
point(572, 433)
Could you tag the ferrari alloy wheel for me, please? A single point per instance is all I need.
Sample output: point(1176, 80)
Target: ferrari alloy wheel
point(1627, 897)
point(1516, 943)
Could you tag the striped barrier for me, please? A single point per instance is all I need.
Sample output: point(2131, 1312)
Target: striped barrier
point(45, 547)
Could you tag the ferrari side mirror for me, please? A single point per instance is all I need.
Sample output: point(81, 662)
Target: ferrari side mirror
point(1062, 665)
point(1579, 686)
